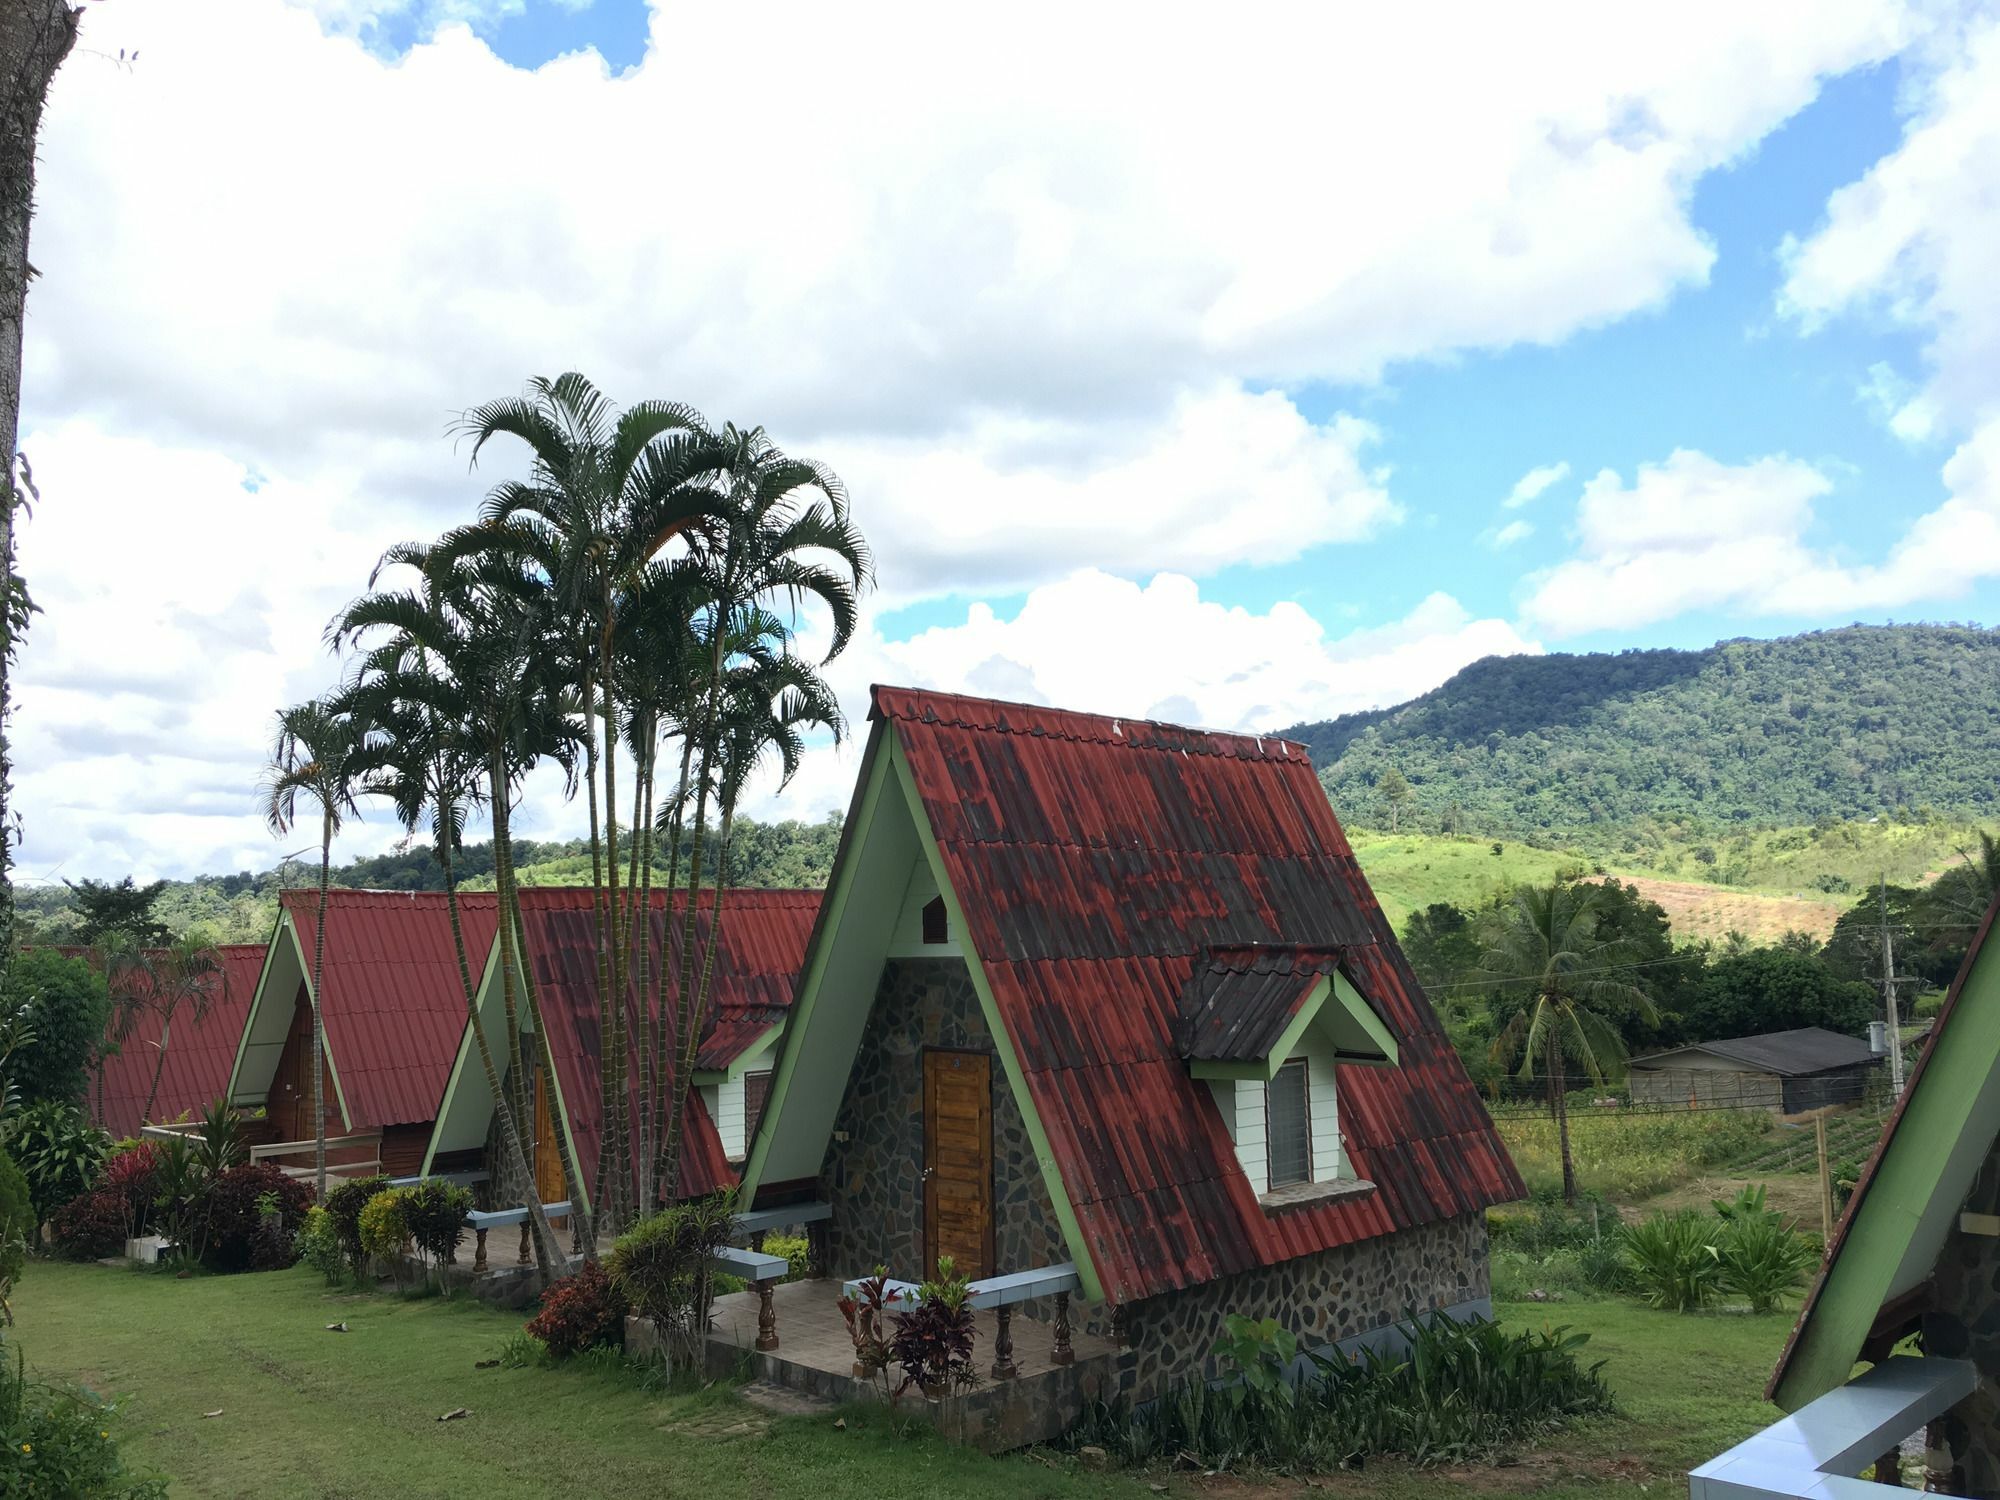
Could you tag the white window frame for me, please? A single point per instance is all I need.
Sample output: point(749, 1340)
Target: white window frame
point(1245, 1113)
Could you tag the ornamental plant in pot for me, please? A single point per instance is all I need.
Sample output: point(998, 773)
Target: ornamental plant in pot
point(933, 1341)
point(866, 1310)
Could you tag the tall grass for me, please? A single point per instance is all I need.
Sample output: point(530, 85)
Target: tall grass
point(1626, 1155)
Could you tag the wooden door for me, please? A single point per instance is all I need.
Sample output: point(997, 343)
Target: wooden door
point(289, 1106)
point(548, 1149)
point(958, 1161)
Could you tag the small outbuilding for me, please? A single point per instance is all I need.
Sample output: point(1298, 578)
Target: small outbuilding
point(1786, 1072)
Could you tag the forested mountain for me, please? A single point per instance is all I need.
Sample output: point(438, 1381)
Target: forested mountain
point(1838, 724)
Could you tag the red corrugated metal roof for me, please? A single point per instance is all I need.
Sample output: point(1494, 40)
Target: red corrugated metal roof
point(1241, 997)
point(391, 996)
point(199, 1056)
point(764, 936)
point(1096, 860)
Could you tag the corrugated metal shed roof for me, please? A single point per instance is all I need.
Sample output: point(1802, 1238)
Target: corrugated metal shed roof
point(1096, 860)
point(1809, 1049)
point(199, 1055)
point(1239, 1000)
point(763, 942)
point(391, 995)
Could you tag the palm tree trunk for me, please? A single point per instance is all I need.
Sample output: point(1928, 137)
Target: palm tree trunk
point(659, 1080)
point(669, 1166)
point(690, 1043)
point(1559, 1103)
point(318, 1024)
point(159, 1067)
point(642, 843)
point(515, 935)
point(547, 1252)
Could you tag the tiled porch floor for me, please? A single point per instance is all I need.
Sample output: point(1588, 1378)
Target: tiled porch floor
point(811, 1331)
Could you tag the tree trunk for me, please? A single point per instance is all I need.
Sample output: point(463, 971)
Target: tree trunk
point(159, 1067)
point(547, 1252)
point(1559, 1101)
point(319, 1028)
point(658, 1084)
point(685, 1021)
point(35, 37)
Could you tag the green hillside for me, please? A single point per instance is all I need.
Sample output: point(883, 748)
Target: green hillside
point(1841, 724)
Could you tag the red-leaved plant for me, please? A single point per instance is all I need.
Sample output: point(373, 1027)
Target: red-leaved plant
point(866, 1311)
point(580, 1312)
point(933, 1341)
point(133, 1177)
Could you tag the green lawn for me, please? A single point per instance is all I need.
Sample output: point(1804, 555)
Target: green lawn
point(312, 1413)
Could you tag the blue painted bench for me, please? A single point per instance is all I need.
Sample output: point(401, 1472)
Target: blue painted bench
point(483, 1220)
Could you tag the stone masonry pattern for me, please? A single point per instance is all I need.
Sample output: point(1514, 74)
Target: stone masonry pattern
point(1323, 1298)
point(1964, 1323)
point(874, 1177)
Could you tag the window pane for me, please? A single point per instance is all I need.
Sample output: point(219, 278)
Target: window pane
point(1288, 1125)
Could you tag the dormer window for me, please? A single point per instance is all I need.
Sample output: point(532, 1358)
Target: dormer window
point(936, 928)
point(1288, 1125)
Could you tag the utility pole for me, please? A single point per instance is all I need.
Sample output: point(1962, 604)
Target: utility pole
point(1889, 989)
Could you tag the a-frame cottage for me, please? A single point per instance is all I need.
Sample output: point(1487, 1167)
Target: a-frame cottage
point(756, 969)
point(392, 1002)
point(199, 1053)
point(1111, 1001)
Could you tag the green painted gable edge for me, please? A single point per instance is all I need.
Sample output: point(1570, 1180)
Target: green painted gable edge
point(256, 995)
point(1350, 1003)
point(1906, 1182)
point(462, 1060)
point(867, 792)
point(1003, 1041)
point(287, 928)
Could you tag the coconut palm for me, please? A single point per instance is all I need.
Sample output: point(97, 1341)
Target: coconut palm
point(1544, 953)
point(314, 761)
point(1954, 905)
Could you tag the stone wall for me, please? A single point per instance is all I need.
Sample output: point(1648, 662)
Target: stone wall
point(1964, 1323)
point(1324, 1298)
point(873, 1173)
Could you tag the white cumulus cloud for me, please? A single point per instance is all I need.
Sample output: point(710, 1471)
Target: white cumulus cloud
point(1535, 483)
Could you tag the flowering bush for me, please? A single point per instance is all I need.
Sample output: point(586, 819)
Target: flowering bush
point(580, 1312)
point(90, 1227)
point(58, 1442)
point(241, 1235)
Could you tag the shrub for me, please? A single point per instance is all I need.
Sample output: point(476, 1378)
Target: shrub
point(57, 1442)
point(434, 1216)
point(181, 1199)
point(584, 1311)
point(17, 1222)
point(381, 1226)
point(57, 1150)
point(1763, 1262)
point(318, 1245)
point(240, 1235)
point(1674, 1261)
point(132, 1175)
point(1462, 1389)
point(344, 1205)
point(63, 1004)
point(796, 1250)
point(933, 1341)
point(89, 1228)
point(661, 1267)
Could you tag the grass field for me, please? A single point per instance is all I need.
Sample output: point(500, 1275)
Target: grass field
point(1626, 1154)
point(300, 1411)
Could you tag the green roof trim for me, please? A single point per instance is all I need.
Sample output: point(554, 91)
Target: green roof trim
point(463, 1060)
point(286, 927)
point(868, 792)
point(744, 1061)
point(1906, 1205)
point(1003, 1042)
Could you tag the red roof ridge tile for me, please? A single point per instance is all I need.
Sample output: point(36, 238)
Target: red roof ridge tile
point(1109, 728)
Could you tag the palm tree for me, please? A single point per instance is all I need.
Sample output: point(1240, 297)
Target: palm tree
point(315, 760)
point(1957, 901)
point(123, 963)
point(436, 699)
point(607, 491)
point(1544, 952)
point(188, 975)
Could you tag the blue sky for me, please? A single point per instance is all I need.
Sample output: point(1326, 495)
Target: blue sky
point(1177, 374)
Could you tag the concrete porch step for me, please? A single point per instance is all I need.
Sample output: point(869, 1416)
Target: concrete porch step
point(783, 1401)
